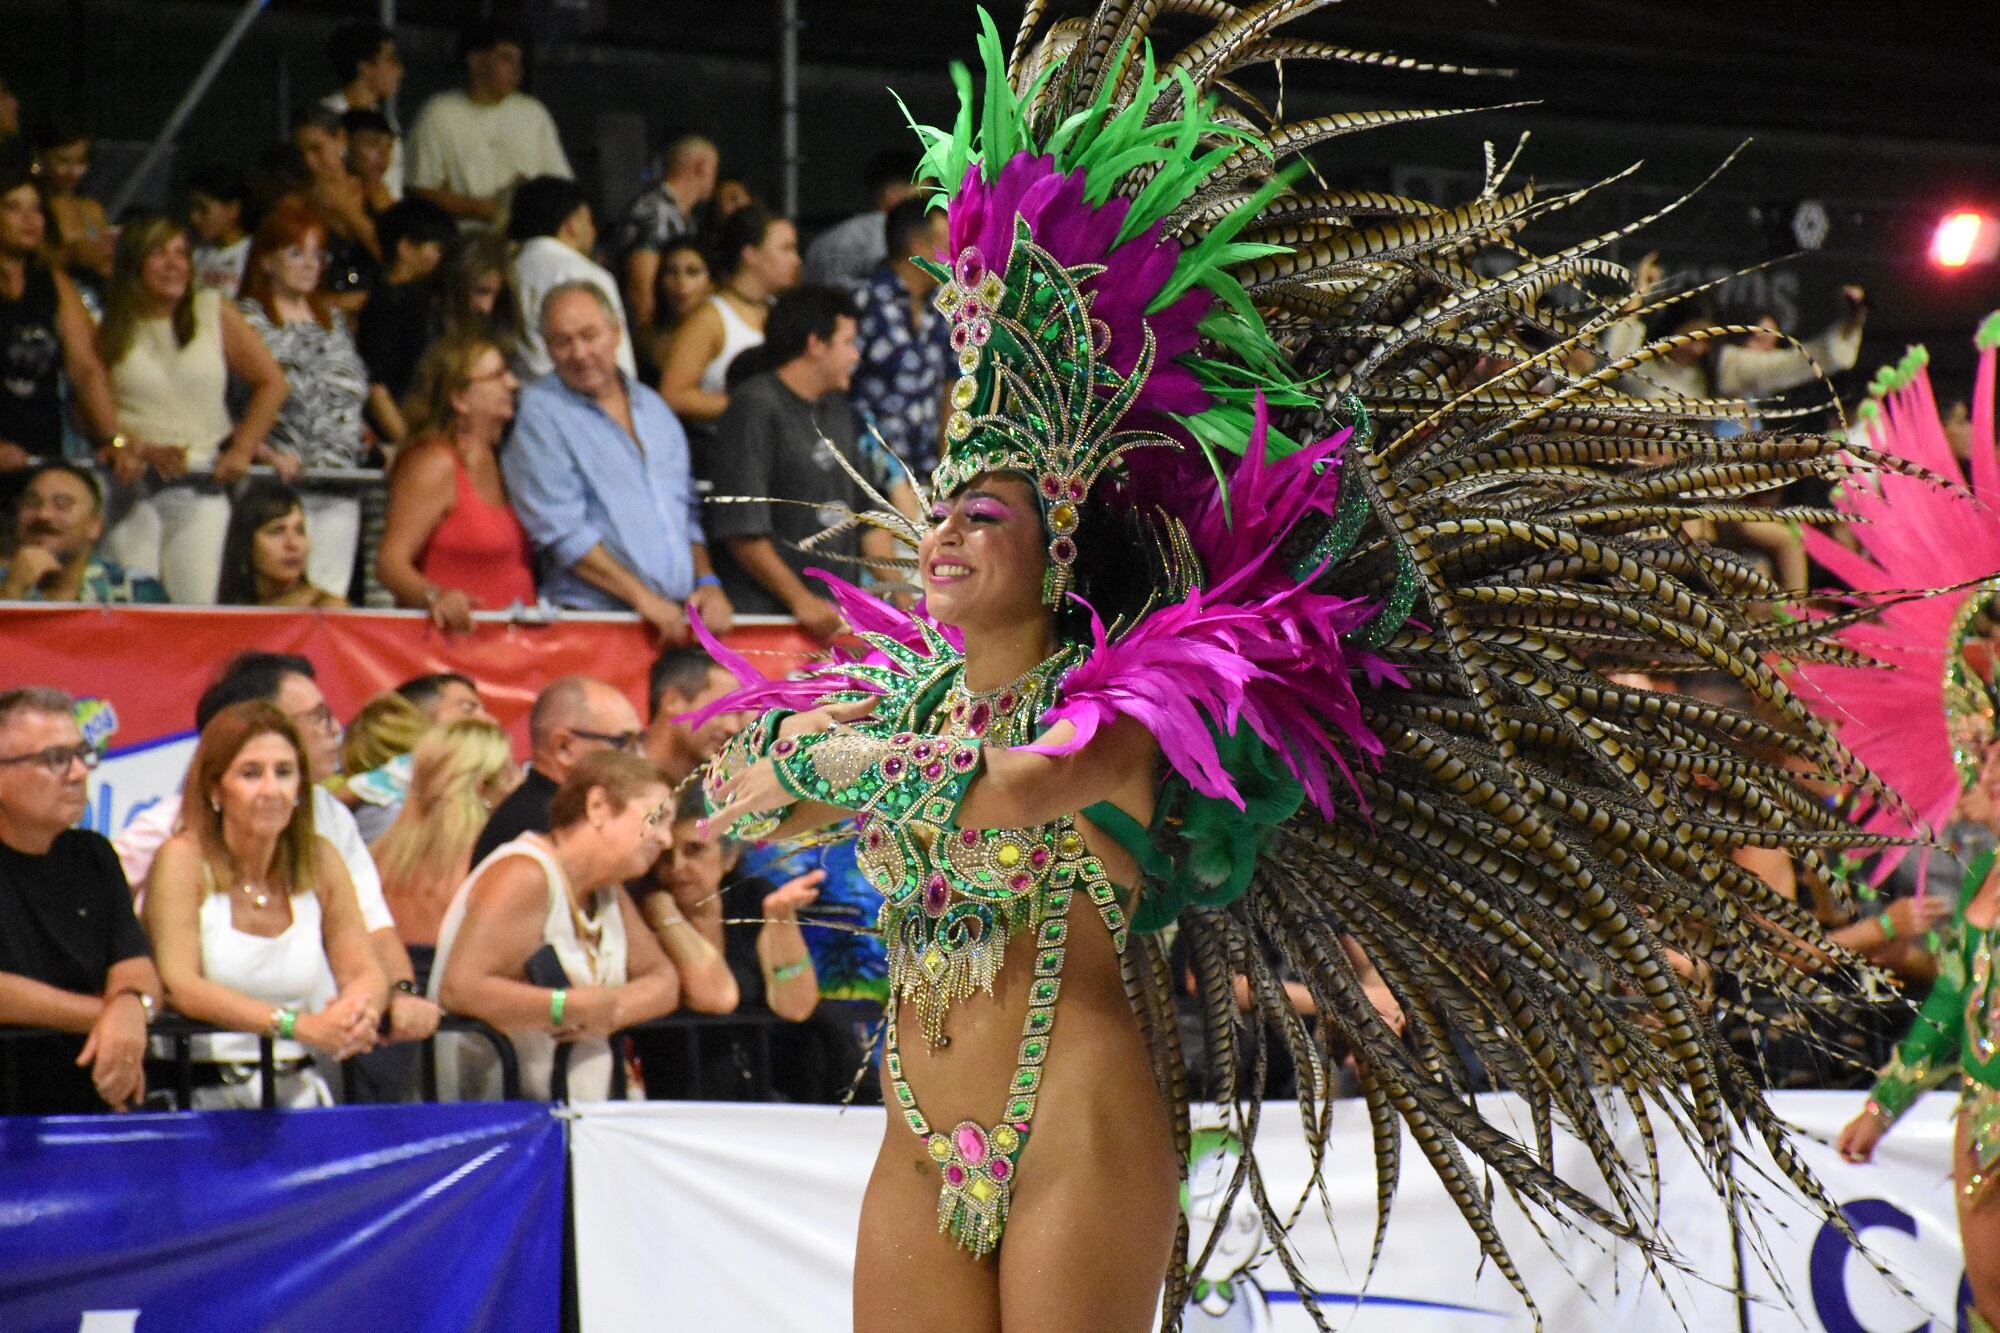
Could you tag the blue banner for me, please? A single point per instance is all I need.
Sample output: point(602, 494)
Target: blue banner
point(354, 1217)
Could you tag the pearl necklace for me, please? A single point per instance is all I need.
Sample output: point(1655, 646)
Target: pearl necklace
point(257, 897)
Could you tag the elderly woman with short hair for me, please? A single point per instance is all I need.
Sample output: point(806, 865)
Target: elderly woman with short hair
point(541, 943)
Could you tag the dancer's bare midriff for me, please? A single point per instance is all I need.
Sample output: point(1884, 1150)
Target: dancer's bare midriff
point(1092, 1222)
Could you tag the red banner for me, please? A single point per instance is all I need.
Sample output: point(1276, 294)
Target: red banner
point(152, 663)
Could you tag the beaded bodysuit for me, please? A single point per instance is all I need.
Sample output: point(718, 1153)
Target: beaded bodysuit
point(1958, 1030)
point(953, 897)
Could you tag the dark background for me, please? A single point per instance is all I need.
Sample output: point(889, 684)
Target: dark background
point(1889, 115)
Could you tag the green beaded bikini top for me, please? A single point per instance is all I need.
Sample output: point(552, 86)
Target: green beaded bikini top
point(954, 897)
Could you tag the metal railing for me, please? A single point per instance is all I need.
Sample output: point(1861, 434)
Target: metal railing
point(179, 1032)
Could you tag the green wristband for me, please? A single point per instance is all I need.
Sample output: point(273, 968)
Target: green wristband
point(790, 970)
point(558, 998)
point(1888, 925)
point(288, 1022)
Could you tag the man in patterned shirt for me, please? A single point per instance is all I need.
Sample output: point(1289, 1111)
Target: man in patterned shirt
point(56, 531)
point(906, 360)
point(661, 215)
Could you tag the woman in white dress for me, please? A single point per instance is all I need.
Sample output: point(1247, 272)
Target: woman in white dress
point(540, 942)
point(253, 919)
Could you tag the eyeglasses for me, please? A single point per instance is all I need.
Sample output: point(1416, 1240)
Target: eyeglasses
point(57, 758)
point(321, 717)
point(621, 740)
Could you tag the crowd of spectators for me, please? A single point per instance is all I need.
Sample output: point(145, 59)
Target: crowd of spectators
point(380, 321)
point(340, 890)
point(650, 413)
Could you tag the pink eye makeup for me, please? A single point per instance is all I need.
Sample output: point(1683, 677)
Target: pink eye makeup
point(990, 511)
point(977, 507)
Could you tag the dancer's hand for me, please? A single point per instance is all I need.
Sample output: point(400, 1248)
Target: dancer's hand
point(1857, 1141)
point(1912, 917)
point(824, 718)
point(753, 791)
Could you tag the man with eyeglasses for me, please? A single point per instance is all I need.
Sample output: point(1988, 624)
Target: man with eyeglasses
point(72, 956)
point(57, 527)
point(572, 717)
point(286, 681)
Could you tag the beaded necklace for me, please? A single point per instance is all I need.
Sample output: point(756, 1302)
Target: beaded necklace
point(953, 897)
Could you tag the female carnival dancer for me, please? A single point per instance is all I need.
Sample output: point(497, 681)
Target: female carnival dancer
point(1929, 726)
point(1319, 690)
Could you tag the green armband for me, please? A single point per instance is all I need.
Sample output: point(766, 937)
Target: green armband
point(1900, 1084)
point(790, 970)
point(897, 778)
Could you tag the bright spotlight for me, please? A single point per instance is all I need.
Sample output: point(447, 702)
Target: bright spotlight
point(1965, 237)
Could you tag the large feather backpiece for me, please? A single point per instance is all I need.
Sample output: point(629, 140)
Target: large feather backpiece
point(1532, 854)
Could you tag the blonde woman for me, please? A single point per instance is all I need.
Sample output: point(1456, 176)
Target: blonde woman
point(460, 772)
point(171, 353)
point(375, 760)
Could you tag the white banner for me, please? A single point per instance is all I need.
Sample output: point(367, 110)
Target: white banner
point(702, 1216)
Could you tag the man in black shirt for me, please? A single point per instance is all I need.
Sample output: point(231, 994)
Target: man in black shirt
point(72, 956)
point(401, 316)
point(574, 716)
point(777, 441)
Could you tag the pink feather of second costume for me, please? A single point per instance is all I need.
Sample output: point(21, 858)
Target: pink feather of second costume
point(1913, 534)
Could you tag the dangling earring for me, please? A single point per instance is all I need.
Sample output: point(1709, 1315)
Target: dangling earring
point(215, 805)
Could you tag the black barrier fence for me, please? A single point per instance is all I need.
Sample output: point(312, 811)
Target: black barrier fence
point(179, 1071)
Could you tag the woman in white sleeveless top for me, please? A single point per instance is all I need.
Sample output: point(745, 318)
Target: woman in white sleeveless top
point(757, 259)
point(254, 921)
point(541, 943)
point(170, 352)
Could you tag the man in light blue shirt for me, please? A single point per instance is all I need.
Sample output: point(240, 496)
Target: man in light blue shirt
point(598, 470)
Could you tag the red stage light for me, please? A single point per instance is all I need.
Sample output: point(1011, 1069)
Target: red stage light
point(1965, 237)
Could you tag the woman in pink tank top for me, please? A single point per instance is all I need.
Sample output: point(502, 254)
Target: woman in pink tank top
point(453, 543)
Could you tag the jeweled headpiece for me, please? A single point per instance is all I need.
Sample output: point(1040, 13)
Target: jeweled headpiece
point(1080, 282)
point(1034, 395)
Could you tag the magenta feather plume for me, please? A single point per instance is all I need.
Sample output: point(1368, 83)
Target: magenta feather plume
point(1255, 647)
point(1075, 232)
point(869, 614)
point(814, 686)
point(757, 694)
